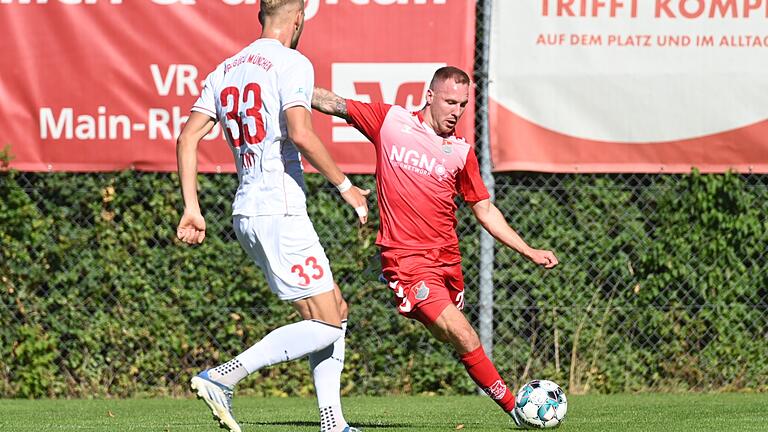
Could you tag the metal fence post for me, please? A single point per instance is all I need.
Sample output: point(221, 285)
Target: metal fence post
point(483, 143)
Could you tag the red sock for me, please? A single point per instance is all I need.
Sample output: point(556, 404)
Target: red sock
point(484, 373)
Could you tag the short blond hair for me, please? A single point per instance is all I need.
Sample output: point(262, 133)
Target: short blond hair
point(449, 73)
point(271, 7)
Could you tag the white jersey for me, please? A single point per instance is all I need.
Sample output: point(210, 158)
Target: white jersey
point(248, 93)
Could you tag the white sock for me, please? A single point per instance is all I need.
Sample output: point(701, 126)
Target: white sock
point(327, 365)
point(229, 373)
point(331, 419)
point(289, 342)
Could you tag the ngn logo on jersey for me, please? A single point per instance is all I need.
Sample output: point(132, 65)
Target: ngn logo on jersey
point(412, 160)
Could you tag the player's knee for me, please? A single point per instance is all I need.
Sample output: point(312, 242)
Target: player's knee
point(440, 334)
point(464, 338)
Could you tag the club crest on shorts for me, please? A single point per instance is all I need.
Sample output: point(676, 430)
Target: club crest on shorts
point(422, 292)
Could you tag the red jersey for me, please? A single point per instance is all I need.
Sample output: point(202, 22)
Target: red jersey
point(418, 175)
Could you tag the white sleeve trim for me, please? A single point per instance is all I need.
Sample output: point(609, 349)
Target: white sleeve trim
point(297, 103)
point(205, 111)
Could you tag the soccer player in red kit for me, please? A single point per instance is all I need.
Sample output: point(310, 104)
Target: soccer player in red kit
point(421, 165)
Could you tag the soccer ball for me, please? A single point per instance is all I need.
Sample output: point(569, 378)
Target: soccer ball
point(541, 404)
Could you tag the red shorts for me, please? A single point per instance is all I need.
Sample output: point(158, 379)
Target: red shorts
point(424, 282)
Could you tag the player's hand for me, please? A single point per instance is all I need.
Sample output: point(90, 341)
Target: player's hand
point(356, 198)
point(191, 227)
point(544, 258)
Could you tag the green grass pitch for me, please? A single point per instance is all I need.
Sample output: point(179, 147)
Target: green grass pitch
point(623, 413)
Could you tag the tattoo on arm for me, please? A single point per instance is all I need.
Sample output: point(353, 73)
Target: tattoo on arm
point(329, 103)
point(341, 108)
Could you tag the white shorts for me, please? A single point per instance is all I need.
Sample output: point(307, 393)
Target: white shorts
point(287, 248)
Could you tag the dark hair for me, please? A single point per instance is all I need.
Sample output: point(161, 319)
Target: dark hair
point(446, 73)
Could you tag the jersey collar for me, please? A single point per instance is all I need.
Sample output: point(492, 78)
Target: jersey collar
point(267, 40)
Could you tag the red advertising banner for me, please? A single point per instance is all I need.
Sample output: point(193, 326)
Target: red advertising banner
point(101, 85)
point(630, 85)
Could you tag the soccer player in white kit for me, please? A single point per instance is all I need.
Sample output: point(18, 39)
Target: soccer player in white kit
point(262, 98)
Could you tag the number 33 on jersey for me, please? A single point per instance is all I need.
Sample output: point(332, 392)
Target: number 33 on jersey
point(253, 88)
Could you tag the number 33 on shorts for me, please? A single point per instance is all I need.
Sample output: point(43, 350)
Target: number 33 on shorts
point(308, 269)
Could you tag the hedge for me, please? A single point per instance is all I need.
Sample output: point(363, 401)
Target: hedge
point(662, 287)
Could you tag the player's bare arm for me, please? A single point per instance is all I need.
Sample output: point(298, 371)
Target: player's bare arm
point(496, 224)
point(300, 130)
point(328, 102)
point(191, 227)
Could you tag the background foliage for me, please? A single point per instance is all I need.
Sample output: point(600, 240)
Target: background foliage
point(663, 285)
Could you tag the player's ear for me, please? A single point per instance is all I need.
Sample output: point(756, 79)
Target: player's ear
point(430, 96)
point(299, 19)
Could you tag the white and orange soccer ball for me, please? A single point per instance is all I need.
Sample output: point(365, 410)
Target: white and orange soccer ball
point(541, 404)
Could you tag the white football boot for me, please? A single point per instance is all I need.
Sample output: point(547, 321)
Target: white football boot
point(218, 397)
point(515, 418)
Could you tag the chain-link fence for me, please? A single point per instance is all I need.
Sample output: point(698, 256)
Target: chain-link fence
point(663, 284)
